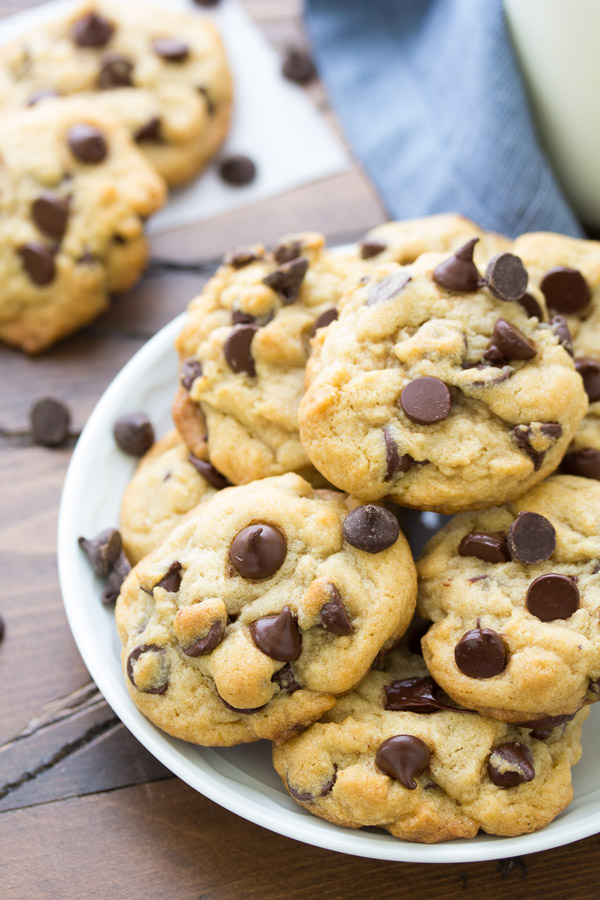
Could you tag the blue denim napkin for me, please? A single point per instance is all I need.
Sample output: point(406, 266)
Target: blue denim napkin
point(433, 104)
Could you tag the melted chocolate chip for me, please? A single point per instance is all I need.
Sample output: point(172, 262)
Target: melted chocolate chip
point(565, 290)
point(371, 528)
point(240, 257)
point(506, 277)
point(552, 597)
point(190, 370)
point(395, 463)
point(325, 319)
point(286, 679)
point(490, 547)
point(134, 656)
point(413, 695)
point(115, 71)
point(369, 249)
point(480, 653)
point(207, 643)
point(286, 279)
point(258, 551)
point(50, 420)
point(531, 306)
point(237, 170)
point(116, 577)
point(208, 471)
point(589, 369)
point(38, 262)
point(584, 462)
point(522, 435)
point(510, 765)
point(102, 550)
point(237, 709)
point(531, 538)
point(43, 94)
point(298, 66)
point(134, 433)
point(510, 342)
point(459, 272)
point(92, 30)
point(50, 212)
point(237, 349)
point(543, 727)
point(402, 757)
point(560, 328)
point(388, 288)
point(87, 143)
point(278, 636)
point(171, 580)
point(333, 615)
point(171, 49)
point(306, 796)
point(426, 400)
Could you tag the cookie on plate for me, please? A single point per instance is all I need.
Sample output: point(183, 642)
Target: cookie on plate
point(266, 602)
point(514, 595)
point(163, 73)
point(244, 351)
point(437, 387)
point(74, 194)
point(394, 754)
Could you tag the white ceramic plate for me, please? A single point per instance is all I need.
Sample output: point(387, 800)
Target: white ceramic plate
point(239, 778)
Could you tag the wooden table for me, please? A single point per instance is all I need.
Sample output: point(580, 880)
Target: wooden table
point(85, 811)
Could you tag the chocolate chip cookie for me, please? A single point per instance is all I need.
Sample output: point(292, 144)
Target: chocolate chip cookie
point(162, 73)
point(396, 754)
point(244, 350)
point(438, 386)
point(514, 595)
point(262, 605)
point(74, 194)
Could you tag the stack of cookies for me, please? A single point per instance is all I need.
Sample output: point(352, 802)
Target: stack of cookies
point(436, 368)
point(101, 111)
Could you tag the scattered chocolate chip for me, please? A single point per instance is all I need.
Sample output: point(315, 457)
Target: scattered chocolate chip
point(171, 49)
point(49, 420)
point(325, 319)
point(459, 272)
point(102, 550)
point(287, 279)
point(510, 765)
point(371, 528)
point(207, 643)
point(589, 369)
point(531, 306)
point(369, 249)
point(134, 656)
point(237, 349)
point(531, 538)
point(116, 577)
point(115, 71)
point(258, 551)
point(543, 727)
point(286, 251)
point(402, 757)
point(426, 400)
point(510, 342)
point(87, 143)
point(506, 277)
point(395, 463)
point(191, 369)
point(565, 290)
point(134, 433)
point(240, 257)
point(388, 288)
point(38, 262)
point(151, 132)
point(480, 653)
point(298, 66)
point(50, 213)
point(560, 328)
point(208, 471)
point(43, 94)
point(237, 169)
point(552, 597)
point(92, 30)
point(414, 695)
point(286, 679)
point(333, 615)
point(584, 462)
point(171, 580)
point(278, 636)
point(491, 547)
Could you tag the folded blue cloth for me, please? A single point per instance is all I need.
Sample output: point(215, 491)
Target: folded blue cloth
point(432, 102)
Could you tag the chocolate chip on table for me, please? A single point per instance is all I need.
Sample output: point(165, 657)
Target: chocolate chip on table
point(480, 653)
point(151, 132)
point(510, 343)
point(414, 695)
point(206, 644)
point(369, 249)
point(552, 597)
point(589, 369)
point(49, 420)
point(531, 306)
point(134, 656)
point(402, 757)
point(426, 400)
point(190, 370)
point(298, 66)
point(506, 277)
point(371, 528)
point(287, 279)
point(565, 290)
point(459, 272)
point(286, 679)
point(171, 49)
point(395, 462)
point(134, 433)
point(87, 143)
point(510, 765)
point(334, 617)
point(208, 471)
point(490, 547)
point(50, 212)
point(102, 550)
point(171, 580)
point(237, 169)
point(584, 462)
point(531, 538)
point(560, 328)
point(38, 262)
point(278, 636)
point(43, 94)
point(388, 288)
point(92, 30)
point(237, 349)
point(325, 319)
point(116, 577)
point(115, 71)
point(258, 551)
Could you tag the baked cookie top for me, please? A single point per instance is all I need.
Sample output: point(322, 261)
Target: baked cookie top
point(391, 754)
point(244, 351)
point(263, 604)
point(162, 72)
point(435, 388)
point(514, 595)
point(74, 194)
